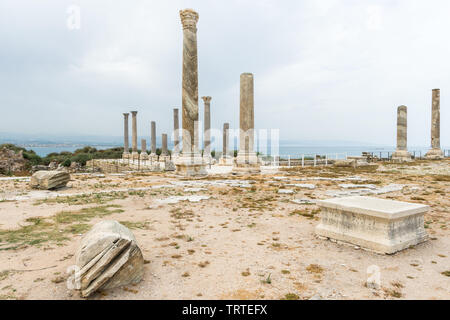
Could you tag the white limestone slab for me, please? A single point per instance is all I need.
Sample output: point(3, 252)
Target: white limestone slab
point(357, 186)
point(285, 191)
point(353, 178)
point(380, 225)
point(194, 189)
point(301, 185)
point(15, 178)
point(176, 199)
point(365, 191)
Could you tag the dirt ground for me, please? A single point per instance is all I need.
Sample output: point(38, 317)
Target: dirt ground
point(246, 241)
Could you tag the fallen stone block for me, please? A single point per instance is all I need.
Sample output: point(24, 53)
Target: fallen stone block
point(344, 163)
point(379, 225)
point(107, 258)
point(47, 180)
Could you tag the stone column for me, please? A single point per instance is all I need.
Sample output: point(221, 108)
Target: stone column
point(226, 126)
point(153, 140)
point(225, 160)
point(176, 134)
point(189, 99)
point(435, 152)
point(144, 154)
point(207, 127)
point(401, 153)
point(134, 153)
point(126, 140)
point(164, 152)
point(246, 157)
point(191, 163)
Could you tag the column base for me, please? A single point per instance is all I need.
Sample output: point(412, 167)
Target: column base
point(209, 160)
point(163, 158)
point(175, 155)
point(434, 154)
point(125, 155)
point(169, 165)
point(134, 156)
point(153, 157)
point(190, 165)
point(143, 156)
point(246, 163)
point(226, 161)
point(401, 156)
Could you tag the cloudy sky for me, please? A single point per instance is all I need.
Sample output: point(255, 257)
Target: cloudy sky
point(328, 69)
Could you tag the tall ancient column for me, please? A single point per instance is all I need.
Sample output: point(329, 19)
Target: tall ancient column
point(435, 152)
point(144, 154)
point(153, 139)
point(225, 160)
point(134, 153)
point(207, 127)
point(246, 157)
point(226, 126)
point(401, 153)
point(189, 20)
point(190, 163)
point(164, 145)
point(126, 147)
point(176, 134)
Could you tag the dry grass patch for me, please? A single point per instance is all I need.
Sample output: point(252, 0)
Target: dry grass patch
point(98, 198)
point(291, 296)
point(314, 268)
point(53, 229)
point(203, 264)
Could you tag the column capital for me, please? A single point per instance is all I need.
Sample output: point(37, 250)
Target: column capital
point(126, 114)
point(402, 107)
point(133, 112)
point(207, 99)
point(189, 19)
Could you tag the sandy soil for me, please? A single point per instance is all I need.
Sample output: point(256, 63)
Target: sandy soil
point(247, 241)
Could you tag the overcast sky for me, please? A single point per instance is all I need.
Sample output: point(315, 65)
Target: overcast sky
point(328, 69)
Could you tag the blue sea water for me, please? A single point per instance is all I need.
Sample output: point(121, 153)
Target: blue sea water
point(285, 149)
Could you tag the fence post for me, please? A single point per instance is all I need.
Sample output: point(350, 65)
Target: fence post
point(289, 161)
point(326, 160)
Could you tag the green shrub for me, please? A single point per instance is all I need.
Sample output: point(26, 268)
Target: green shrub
point(66, 163)
point(81, 158)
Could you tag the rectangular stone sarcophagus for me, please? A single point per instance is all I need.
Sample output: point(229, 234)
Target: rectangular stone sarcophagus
point(379, 225)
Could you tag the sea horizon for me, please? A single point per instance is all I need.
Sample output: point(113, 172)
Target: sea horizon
point(285, 149)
